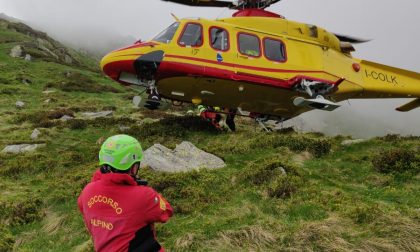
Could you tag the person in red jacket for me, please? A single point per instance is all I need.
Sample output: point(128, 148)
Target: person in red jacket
point(118, 212)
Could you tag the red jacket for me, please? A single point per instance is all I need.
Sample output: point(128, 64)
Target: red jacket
point(117, 211)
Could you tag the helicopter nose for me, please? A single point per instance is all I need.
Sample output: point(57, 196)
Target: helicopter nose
point(147, 65)
point(113, 64)
point(120, 64)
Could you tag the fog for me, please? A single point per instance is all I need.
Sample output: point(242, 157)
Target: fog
point(101, 25)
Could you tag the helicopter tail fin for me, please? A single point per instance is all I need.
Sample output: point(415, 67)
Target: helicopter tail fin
point(380, 81)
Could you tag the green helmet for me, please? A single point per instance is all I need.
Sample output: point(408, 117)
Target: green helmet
point(120, 152)
point(201, 109)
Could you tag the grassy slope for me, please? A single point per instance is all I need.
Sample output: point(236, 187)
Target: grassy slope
point(337, 201)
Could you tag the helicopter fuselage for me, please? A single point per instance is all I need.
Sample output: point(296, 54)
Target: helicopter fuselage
point(258, 62)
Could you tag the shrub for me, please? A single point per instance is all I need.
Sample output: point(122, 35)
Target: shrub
point(10, 91)
point(279, 178)
point(284, 186)
point(188, 191)
point(58, 113)
point(391, 138)
point(4, 81)
point(76, 124)
point(6, 239)
point(21, 212)
point(43, 119)
point(81, 83)
point(296, 143)
point(396, 161)
point(364, 214)
point(172, 127)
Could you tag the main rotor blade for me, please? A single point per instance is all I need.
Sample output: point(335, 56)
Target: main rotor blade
point(204, 3)
point(353, 40)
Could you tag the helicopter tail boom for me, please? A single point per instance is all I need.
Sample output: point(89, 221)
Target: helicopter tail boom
point(380, 81)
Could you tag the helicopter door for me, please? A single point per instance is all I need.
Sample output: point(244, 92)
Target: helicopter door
point(191, 40)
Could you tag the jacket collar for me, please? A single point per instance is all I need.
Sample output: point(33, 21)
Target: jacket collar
point(113, 178)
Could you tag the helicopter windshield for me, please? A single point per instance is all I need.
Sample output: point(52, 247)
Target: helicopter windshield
point(167, 35)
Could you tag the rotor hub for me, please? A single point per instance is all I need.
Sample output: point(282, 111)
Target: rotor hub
point(256, 13)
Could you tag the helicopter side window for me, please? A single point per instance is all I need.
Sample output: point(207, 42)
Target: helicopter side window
point(274, 50)
point(192, 35)
point(219, 39)
point(249, 45)
point(168, 34)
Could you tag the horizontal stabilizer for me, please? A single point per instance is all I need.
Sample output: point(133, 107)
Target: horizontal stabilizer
point(409, 106)
point(318, 103)
point(380, 81)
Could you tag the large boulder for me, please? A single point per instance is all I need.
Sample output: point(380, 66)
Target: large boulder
point(21, 148)
point(184, 157)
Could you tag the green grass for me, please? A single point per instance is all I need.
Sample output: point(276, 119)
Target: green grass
point(331, 198)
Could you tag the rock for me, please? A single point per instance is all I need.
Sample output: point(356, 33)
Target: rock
point(136, 101)
point(28, 57)
point(68, 74)
point(65, 118)
point(21, 148)
point(355, 141)
point(20, 104)
point(26, 81)
point(16, 52)
point(184, 157)
point(48, 91)
point(35, 134)
point(68, 59)
point(282, 170)
point(100, 141)
point(123, 128)
point(93, 115)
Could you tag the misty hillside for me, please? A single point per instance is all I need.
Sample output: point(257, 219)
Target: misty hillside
point(279, 191)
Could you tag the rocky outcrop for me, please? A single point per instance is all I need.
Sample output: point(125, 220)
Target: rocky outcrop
point(41, 46)
point(16, 52)
point(21, 148)
point(184, 157)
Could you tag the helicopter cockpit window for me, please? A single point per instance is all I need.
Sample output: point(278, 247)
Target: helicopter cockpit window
point(249, 45)
point(192, 35)
point(168, 34)
point(274, 50)
point(219, 39)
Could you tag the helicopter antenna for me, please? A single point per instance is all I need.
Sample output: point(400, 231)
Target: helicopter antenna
point(175, 17)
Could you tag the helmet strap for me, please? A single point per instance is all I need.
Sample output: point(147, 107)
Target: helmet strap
point(105, 169)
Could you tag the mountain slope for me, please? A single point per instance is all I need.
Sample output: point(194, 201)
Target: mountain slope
point(280, 191)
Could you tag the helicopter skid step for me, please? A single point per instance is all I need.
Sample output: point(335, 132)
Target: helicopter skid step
point(317, 103)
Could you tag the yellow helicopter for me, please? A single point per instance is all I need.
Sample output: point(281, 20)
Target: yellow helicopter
point(255, 63)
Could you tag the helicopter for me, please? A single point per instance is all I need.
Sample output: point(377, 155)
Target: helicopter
point(257, 64)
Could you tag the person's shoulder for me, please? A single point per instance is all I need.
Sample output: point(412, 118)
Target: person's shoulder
point(144, 191)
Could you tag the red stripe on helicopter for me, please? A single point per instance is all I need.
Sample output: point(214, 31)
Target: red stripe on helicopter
point(169, 69)
point(273, 70)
